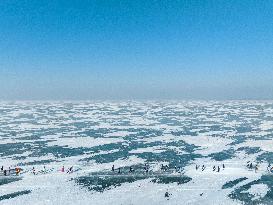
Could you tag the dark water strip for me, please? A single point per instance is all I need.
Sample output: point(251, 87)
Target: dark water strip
point(13, 195)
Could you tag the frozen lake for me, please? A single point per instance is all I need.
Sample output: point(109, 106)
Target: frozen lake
point(204, 146)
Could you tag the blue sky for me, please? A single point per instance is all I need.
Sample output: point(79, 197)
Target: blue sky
point(152, 49)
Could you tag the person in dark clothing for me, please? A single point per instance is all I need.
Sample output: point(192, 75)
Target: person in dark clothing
point(5, 172)
point(166, 167)
point(223, 166)
point(147, 170)
point(251, 166)
point(214, 168)
point(218, 170)
point(203, 167)
point(131, 169)
point(119, 170)
point(162, 167)
point(268, 167)
point(248, 164)
point(196, 167)
point(178, 169)
point(256, 167)
point(113, 168)
point(2, 168)
point(146, 166)
point(167, 195)
point(70, 170)
point(33, 171)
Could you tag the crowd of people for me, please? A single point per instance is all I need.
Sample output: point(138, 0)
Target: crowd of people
point(214, 168)
point(164, 168)
point(131, 169)
point(18, 170)
point(10, 171)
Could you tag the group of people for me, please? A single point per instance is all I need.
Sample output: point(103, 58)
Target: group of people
point(18, 170)
point(251, 166)
point(146, 169)
point(214, 168)
point(9, 171)
point(131, 169)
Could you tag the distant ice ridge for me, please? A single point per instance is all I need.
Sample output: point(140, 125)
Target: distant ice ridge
point(94, 136)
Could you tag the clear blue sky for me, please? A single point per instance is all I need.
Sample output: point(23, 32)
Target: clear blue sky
point(151, 49)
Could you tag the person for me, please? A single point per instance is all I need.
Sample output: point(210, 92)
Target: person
point(33, 171)
point(268, 167)
point(247, 165)
point(196, 167)
point(119, 170)
point(162, 167)
point(167, 195)
point(17, 171)
point(131, 169)
point(70, 170)
point(113, 168)
point(5, 172)
point(2, 168)
point(62, 170)
point(218, 170)
point(146, 166)
point(251, 165)
point(203, 167)
point(256, 168)
point(166, 167)
point(9, 170)
point(179, 169)
point(214, 168)
point(223, 166)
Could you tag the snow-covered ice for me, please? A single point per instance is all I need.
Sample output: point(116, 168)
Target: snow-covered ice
point(91, 137)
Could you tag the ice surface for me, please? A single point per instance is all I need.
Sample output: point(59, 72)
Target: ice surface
point(94, 136)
